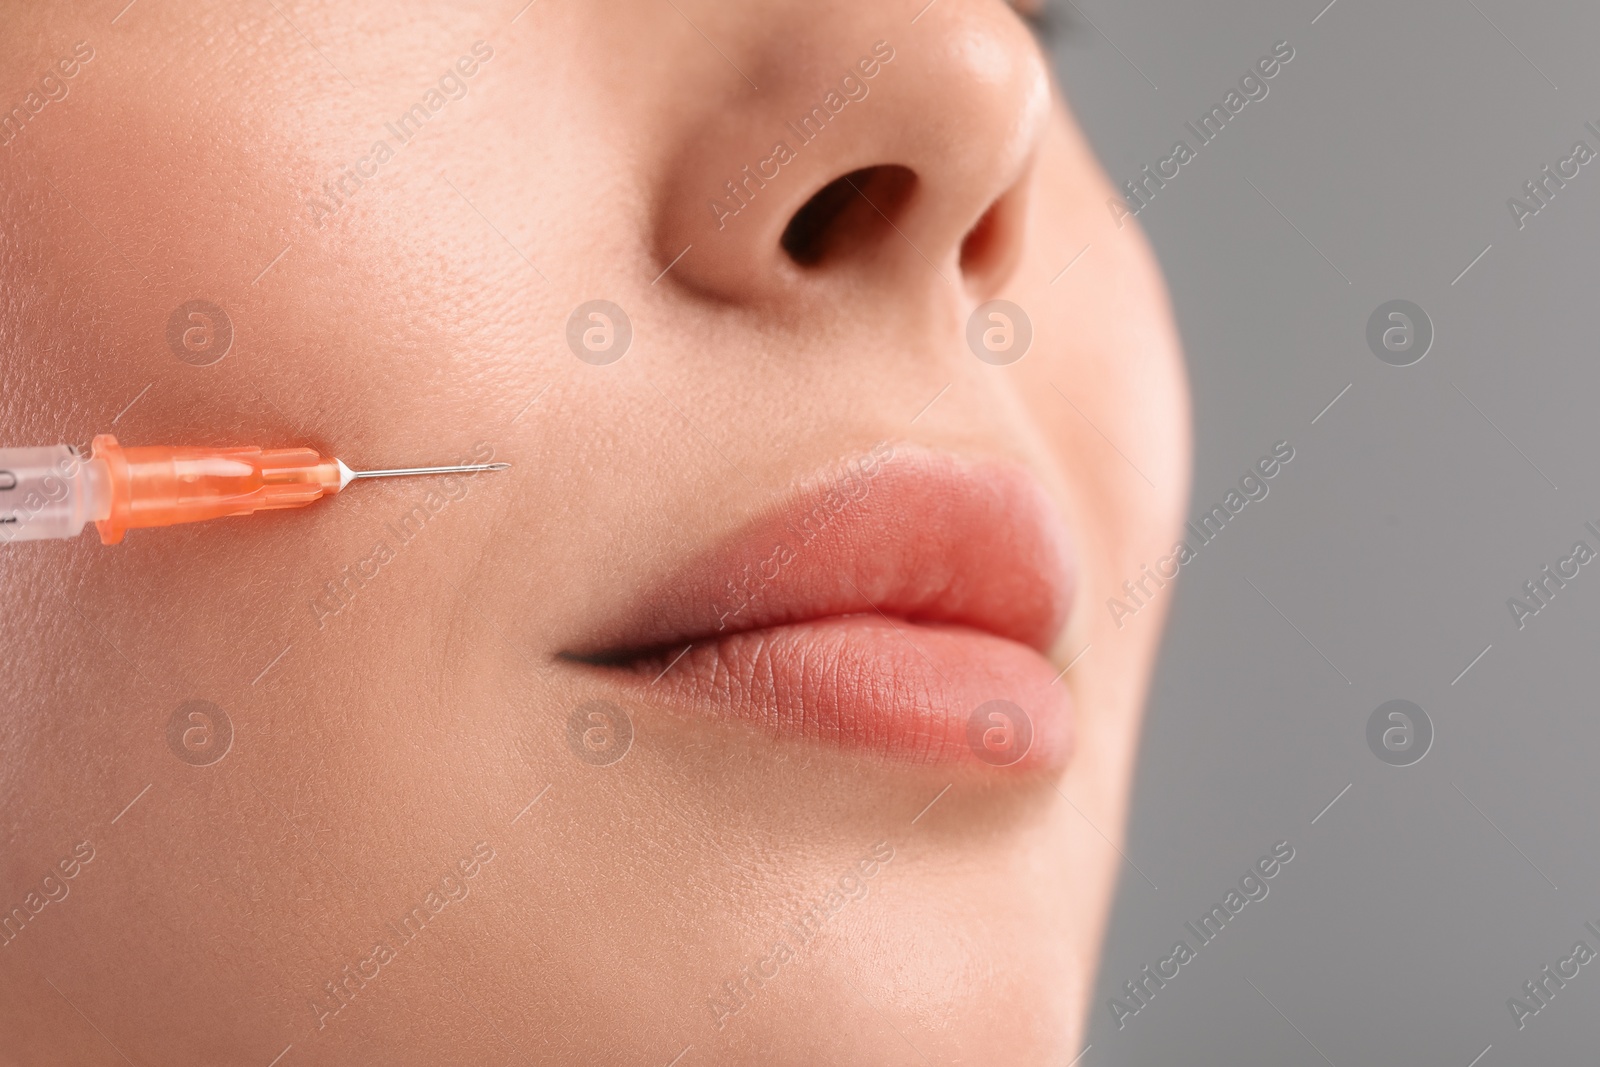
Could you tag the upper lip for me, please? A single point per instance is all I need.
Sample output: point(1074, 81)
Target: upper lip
point(901, 532)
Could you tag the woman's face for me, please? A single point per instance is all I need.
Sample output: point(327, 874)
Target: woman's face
point(697, 731)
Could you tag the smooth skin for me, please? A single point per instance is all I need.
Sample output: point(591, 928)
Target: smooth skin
point(387, 742)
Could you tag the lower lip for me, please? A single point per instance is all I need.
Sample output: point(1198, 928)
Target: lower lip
point(919, 692)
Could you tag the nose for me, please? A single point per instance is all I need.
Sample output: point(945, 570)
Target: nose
point(860, 154)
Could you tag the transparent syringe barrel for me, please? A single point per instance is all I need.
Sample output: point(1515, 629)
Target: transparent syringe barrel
point(50, 492)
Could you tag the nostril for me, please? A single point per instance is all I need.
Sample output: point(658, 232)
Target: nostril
point(804, 237)
point(979, 245)
point(990, 249)
point(848, 213)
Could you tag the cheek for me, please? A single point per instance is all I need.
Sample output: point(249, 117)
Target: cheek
point(1107, 342)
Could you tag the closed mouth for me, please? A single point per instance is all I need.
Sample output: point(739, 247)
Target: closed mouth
point(897, 606)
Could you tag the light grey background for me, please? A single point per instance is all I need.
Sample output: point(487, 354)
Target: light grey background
point(1392, 541)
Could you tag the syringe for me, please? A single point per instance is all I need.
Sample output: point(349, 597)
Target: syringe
point(51, 492)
